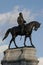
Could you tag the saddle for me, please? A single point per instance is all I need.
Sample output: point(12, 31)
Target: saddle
point(22, 28)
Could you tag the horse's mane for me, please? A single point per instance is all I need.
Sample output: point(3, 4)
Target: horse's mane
point(27, 24)
point(31, 22)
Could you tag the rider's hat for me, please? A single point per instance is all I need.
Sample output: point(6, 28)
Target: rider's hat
point(20, 13)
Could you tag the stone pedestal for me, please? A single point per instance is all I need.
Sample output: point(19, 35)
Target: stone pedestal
point(20, 56)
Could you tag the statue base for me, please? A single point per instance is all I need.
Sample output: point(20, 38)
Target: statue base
point(20, 56)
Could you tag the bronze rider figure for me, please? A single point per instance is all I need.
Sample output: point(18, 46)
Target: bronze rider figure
point(21, 22)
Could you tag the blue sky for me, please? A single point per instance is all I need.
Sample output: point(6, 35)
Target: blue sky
point(7, 5)
point(32, 10)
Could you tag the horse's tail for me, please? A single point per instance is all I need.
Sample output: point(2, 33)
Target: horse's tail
point(6, 34)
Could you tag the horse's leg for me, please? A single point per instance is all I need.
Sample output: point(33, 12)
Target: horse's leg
point(15, 43)
point(25, 41)
point(14, 36)
point(10, 43)
point(31, 41)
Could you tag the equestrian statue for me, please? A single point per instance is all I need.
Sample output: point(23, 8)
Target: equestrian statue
point(22, 29)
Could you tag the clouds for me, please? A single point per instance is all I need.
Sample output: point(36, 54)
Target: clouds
point(2, 49)
point(9, 19)
point(40, 61)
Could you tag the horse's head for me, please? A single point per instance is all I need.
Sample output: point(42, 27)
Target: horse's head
point(37, 25)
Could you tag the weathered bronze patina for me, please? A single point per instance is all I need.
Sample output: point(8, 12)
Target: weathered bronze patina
point(27, 31)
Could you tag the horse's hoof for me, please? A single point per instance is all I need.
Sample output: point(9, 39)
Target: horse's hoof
point(16, 46)
point(33, 46)
point(8, 47)
point(24, 45)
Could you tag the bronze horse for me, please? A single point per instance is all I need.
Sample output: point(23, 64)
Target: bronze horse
point(34, 25)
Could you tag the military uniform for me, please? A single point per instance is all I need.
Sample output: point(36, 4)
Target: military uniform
point(21, 21)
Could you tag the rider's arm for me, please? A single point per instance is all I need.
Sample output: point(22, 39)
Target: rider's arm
point(24, 21)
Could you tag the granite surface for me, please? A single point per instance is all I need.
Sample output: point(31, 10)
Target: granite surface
point(20, 56)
